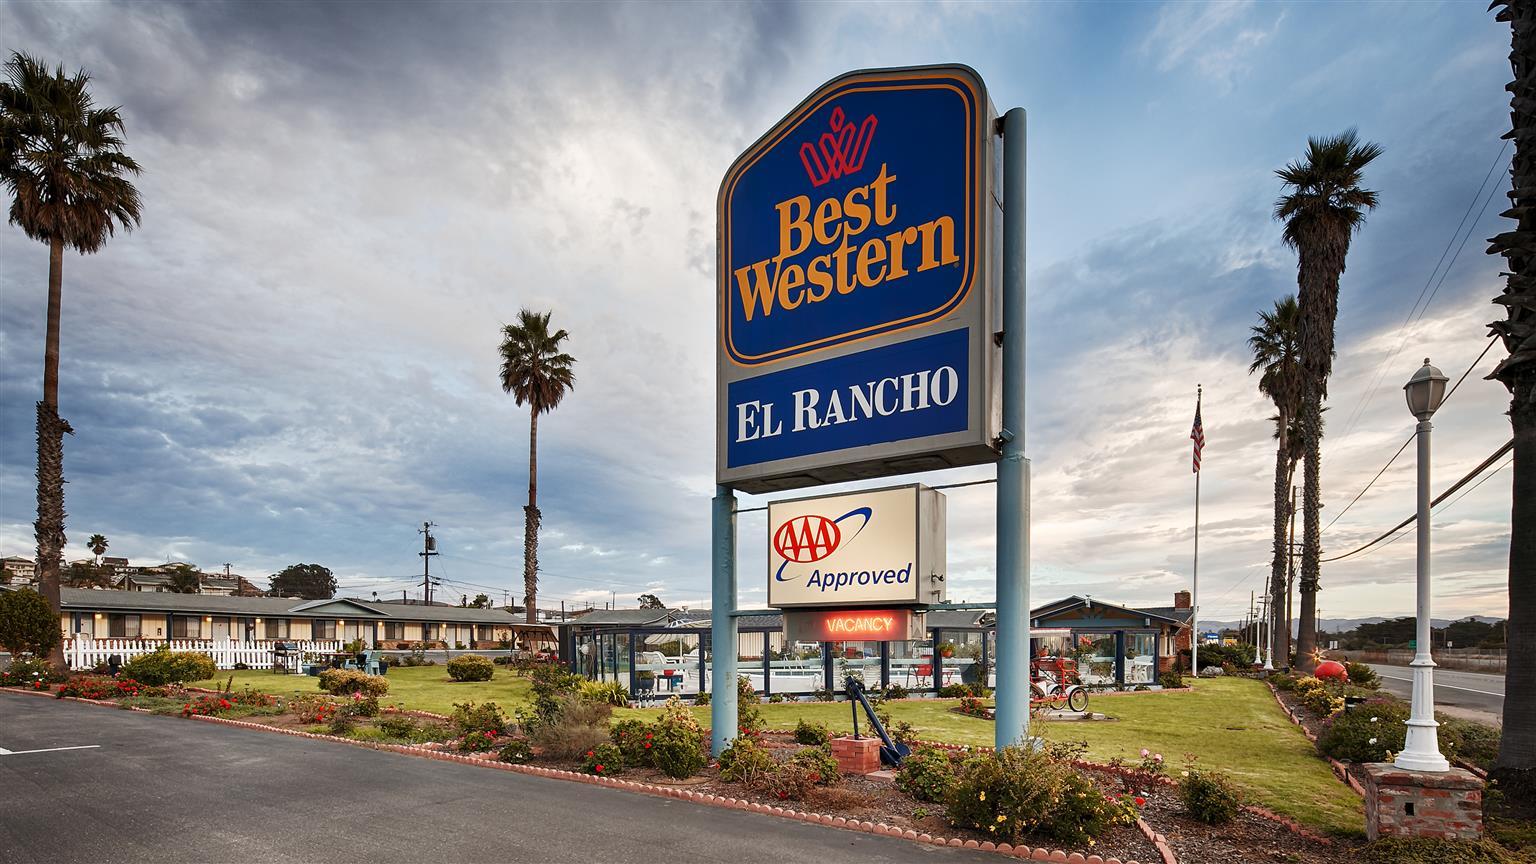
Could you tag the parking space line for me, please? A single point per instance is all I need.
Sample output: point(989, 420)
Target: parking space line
point(5, 752)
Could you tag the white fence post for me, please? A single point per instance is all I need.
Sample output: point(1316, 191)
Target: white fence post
point(84, 653)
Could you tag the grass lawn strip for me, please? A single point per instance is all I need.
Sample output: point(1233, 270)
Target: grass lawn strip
point(413, 688)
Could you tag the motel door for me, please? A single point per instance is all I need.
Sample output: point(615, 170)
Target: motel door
point(220, 629)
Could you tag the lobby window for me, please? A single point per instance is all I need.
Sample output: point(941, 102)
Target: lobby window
point(323, 629)
point(275, 628)
point(123, 626)
point(394, 630)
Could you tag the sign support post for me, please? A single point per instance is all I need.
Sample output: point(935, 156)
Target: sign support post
point(1013, 469)
point(722, 616)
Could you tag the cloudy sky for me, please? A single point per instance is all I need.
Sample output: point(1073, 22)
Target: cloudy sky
point(295, 358)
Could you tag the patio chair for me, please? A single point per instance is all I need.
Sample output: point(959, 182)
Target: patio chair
point(371, 662)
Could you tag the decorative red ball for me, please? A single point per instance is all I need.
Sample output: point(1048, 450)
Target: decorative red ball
point(1332, 669)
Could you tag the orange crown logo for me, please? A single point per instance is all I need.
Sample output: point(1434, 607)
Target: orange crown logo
point(840, 152)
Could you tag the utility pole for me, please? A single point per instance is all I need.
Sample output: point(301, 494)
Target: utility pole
point(428, 549)
point(226, 569)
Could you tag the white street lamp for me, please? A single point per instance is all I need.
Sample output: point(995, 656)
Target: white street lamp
point(1421, 751)
point(1267, 642)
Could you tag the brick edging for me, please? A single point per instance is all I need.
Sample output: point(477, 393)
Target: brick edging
point(879, 829)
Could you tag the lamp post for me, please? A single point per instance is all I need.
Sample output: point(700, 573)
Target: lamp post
point(1267, 642)
point(1421, 751)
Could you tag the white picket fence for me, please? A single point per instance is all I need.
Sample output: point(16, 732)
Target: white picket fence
point(86, 653)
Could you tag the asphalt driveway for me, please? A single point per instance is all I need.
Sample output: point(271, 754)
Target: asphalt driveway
point(161, 789)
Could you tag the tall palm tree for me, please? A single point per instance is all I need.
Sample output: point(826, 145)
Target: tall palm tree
point(1277, 351)
point(1323, 207)
point(537, 374)
point(62, 160)
point(98, 545)
point(1517, 744)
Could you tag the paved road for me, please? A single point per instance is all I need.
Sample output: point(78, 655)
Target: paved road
point(1475, 694)
point(162, 789)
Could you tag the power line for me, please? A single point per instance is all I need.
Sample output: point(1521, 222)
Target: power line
point(1379, 375)
point(1497, 454)
point(1400, 450)
point(1448, 506)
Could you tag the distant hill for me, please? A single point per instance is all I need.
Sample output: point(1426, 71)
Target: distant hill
point(1341, 625)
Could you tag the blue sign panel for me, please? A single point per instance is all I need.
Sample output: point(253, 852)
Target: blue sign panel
point(855, 314)
point(911, 389)
point(857, 216)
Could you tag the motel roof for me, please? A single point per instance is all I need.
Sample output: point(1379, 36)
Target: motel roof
point(275, 607)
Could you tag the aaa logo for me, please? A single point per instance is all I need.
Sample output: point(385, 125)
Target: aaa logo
point(840, 152)
point(810, 538)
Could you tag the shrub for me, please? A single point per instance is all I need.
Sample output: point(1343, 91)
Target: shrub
point(902, 731)
point(1362, 675)
point(971, 706)
point(1209, 796)
point(701, 699)
point(821, 763)
point(749, 720)
point(484, 717)
point(927, 774)
point(479, 741)
point(517, 750)
point(790, 781)
point(398, 726)
point(954, 691)
point(1322, 700)
point(1171, 679)
point(746, 761)
point(1427, 850)
point(550, 685)
point(361, 706)
point(471, 667)
point(28, 671)
point(824, 694)
point(100, 687)
point(604, 760)
point(341, 723)
point(314, 709)
point(209, 705)
point(607, 692)
point(28, 625)
point(1475, 742)
point(677, 743)
point(1371, 732)
point(1016, 791)
point(163, 666)
point(1285, 681)
point(633, 738)
point(577, 726)
point(896, 691)
point(812, 734)
point(345, 682)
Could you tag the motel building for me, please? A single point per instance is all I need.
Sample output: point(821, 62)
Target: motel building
point(663, 652)
point(98, 617)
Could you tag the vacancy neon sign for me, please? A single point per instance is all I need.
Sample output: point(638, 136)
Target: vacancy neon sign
point(862, 625)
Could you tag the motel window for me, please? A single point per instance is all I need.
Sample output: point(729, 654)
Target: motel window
point(483, 632)
point(182, 627)
point(275, 628)
point(323, 629)
point(394, 630)
point(429, 632)
point(123, 626)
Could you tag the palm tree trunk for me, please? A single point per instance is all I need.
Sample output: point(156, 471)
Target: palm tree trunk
point(49, 527)
point(1517, 744)
point(531, 525)
point(1277, 564)
point(1311, 541)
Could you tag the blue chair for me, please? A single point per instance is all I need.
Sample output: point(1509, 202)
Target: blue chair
point(372, 660)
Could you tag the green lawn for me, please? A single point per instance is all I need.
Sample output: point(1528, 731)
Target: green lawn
point(418, 688)
point(1231, 724)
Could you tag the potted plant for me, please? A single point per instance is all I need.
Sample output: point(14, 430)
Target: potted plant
point(645, 680)
point(946, 649)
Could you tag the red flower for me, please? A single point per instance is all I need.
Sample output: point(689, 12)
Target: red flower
point(599, 769)
point(647, 745)
point(1140, 801)
point(647, 736)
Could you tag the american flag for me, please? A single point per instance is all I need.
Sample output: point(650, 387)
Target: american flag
point(1197, 435)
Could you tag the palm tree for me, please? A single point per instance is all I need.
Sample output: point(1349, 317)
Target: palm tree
point(537, 374)
point(63, 163)
point(98, 545)
point(1277, 352)
point(1516, 763)
point(184, 579)
point(1323, 208)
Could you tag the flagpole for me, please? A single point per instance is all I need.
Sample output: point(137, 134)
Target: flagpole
point(1194, 615)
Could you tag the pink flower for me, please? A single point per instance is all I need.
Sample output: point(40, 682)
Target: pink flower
point(1145, 752)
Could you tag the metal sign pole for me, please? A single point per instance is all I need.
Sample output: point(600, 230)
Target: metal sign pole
point(1013, 469)
point(722, 631)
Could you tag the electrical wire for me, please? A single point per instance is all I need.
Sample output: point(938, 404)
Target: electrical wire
point(1379, 375)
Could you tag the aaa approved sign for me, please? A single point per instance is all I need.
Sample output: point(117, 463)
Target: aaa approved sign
point(880, 547)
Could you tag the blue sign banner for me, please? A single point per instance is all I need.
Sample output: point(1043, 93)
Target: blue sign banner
point(910, 389)
point(857, 217)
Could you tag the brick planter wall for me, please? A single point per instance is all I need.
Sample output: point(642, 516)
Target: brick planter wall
point(1401, 803)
